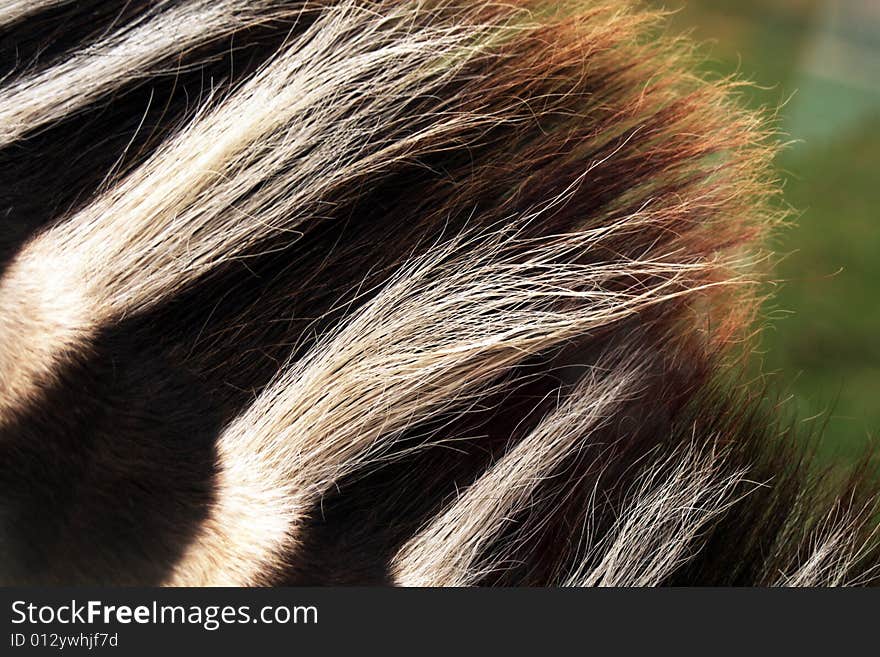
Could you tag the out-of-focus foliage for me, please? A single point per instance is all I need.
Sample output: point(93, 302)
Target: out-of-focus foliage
point(820, 59)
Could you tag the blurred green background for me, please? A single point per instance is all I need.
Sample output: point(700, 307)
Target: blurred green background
point(821, 59)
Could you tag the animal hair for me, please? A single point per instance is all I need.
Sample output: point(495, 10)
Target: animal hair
point(15, 10)
point(432, 293)
point(140, 48)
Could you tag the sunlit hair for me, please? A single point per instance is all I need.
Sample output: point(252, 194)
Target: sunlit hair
point(425, 293)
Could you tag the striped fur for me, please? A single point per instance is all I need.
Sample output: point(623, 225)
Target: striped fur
point(420, 293)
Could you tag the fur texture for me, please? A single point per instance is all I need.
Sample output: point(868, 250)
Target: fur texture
point(422, 293)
